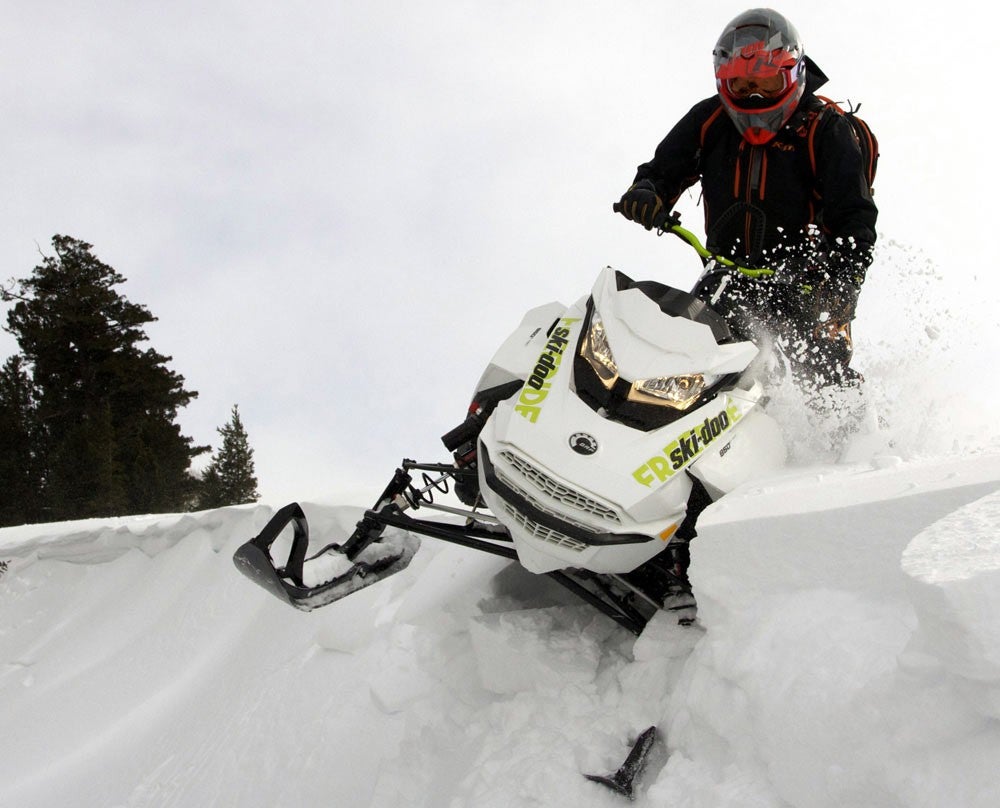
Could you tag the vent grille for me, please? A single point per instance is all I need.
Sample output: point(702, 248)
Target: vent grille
point(557, 491)
point(543, 533)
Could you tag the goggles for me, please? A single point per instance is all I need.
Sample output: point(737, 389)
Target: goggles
point(772, 86)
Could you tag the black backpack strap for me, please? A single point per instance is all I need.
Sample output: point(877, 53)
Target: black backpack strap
point(707, 126)
point(863, 134)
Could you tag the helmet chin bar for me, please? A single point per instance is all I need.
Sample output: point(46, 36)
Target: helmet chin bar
point(759, 125)
point(756, 102)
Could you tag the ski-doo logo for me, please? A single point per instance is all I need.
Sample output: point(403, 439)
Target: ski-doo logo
point(582, 443)
point(687, 447)
point(536, 388)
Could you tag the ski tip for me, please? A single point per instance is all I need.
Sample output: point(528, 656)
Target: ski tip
point(623, 781)
point(625, 789)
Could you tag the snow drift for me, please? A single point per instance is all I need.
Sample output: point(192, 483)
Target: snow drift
point(847, 653)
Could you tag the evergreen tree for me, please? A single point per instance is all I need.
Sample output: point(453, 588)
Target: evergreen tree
point(107, 440)
point(229, 478)
point(19, 492)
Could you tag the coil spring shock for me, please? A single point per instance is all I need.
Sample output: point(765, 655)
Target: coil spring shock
point(416, 497)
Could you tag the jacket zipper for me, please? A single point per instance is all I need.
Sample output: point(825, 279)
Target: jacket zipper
point(755, 179)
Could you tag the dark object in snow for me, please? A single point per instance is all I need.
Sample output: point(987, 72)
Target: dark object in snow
point(623, 780)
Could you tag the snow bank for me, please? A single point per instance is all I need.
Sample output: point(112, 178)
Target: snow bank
point(847, 654)
point(829, 667)
point(954, 572)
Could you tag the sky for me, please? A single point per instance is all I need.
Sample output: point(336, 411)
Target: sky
point(338, 210)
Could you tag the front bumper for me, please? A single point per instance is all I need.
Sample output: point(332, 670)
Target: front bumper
point(555, 526)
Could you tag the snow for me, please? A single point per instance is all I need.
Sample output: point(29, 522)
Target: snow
point(846, 653)
point(847, 650)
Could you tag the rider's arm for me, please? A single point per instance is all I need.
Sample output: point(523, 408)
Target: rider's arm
point(675, 166)
point(849, 213)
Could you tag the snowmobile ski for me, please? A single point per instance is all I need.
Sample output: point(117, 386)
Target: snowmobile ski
point(329, 575)
point(623, 781)
point(373, 553)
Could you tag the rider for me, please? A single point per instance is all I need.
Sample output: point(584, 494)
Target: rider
point(775, 193)
point(783, 187)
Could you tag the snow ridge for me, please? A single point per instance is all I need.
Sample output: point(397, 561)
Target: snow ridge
point(846, 654)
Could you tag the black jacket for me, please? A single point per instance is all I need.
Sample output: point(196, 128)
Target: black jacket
point(760, 200)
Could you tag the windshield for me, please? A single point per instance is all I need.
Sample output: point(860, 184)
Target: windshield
point(679, 304)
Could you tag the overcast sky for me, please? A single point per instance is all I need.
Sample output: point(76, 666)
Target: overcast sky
point(337, 210)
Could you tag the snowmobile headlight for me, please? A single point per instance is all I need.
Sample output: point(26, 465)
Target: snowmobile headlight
point(597, 352)
point(679, 392)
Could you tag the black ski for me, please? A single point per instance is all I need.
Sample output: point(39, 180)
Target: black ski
point(623, 781)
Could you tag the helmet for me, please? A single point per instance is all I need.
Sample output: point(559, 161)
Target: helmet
point(760, 71)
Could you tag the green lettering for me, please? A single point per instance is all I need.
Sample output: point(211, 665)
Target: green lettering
point(533, 397)
point(642, 476)
point(660, 468)
point(529, 412)
point(687, 447)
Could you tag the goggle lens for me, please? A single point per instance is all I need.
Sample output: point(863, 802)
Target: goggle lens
point(768, 86)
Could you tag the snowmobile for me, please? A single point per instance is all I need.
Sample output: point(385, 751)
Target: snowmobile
point(591, 432)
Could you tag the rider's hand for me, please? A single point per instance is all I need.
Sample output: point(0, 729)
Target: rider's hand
point(642, 204)
point(848, 264)
point(838, 291)
point(837, 298)
point(822, 294)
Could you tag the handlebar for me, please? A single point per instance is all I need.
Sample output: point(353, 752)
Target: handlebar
point(672, 224)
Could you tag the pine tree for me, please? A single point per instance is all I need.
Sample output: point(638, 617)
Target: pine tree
point(229, 478)
point(19, 493)
point(107, 441)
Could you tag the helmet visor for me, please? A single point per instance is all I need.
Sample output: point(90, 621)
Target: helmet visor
point(756, 77)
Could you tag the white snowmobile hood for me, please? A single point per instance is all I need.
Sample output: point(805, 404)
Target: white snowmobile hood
point(652, 349)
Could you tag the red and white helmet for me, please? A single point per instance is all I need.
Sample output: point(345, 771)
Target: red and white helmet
point(760, 72)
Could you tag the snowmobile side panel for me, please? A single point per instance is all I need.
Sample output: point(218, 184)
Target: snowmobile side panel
point(754, 450)
point(515, 358)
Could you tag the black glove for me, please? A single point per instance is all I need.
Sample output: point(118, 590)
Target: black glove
point(840, 285)
point(820, 286)
point(848, 264)
point(642, 204)
point(837, 299)
point(827, 296)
